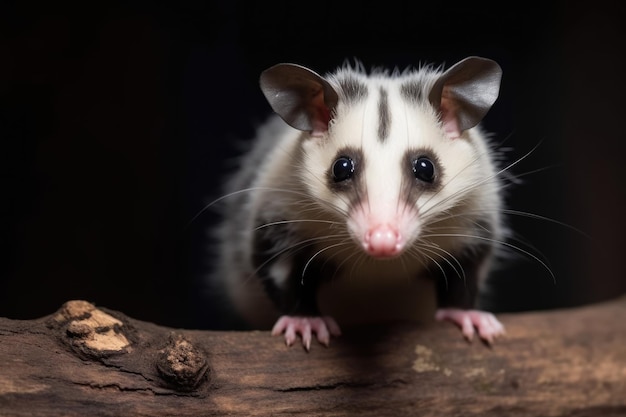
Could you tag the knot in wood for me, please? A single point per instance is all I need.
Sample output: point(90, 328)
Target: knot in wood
point(181, 364)
point(90, 331)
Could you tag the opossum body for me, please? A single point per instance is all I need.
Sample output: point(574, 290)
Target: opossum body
point(373, 197)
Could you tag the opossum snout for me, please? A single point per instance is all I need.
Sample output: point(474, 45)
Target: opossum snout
point(383, 241)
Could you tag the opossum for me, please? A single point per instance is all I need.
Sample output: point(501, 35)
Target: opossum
point(367, 197)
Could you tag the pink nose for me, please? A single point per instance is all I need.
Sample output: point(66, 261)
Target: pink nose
point(383, 241)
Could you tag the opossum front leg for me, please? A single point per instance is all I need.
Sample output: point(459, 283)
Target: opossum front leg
point(291, 282)
point(297, 297)
point(457, 289)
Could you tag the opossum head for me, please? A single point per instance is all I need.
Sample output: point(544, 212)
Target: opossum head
point(392, 156)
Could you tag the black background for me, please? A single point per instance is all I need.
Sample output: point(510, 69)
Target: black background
point(117, 120)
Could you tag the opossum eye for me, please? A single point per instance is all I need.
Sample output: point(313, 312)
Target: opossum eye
point(343, 168)
point(424, 169)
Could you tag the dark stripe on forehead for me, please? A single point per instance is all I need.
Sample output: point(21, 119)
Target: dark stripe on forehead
point(352, 90)
point(383, 116)
point(413, 91)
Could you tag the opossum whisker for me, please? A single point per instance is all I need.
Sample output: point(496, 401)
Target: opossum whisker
point(326, 204)
point(322, 205)
point(297, 246)
point(306, 265)
point(480, 183)
point(496, 175)
point(306, 199)
point(511, 212)
point(402, 261)
point(446, 256)
point(511, 236)
point(415, 253)
point(544, 218)
point(283, 222)
point(345, 260)
point(443, 187)
point(469, 218)
point(499, 242)
point(358, 262)
point(243, 191)
point(433, 260)
point(513, 178)
point(338, 253)
point(418, 251)
point(317, 214)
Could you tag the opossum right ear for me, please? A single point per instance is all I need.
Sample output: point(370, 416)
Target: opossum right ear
point(299, 96)
point(465, 93)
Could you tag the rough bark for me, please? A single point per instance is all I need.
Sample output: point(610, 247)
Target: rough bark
point(88, 361)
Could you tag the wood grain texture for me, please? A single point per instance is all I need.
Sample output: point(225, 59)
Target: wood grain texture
point(558, 363)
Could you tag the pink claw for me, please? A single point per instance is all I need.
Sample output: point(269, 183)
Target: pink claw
point(486, 323)
point(323, 327)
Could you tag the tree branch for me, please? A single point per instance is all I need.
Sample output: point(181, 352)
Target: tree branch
point(92, 361)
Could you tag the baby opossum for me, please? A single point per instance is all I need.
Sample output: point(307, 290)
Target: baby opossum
point(373, 197)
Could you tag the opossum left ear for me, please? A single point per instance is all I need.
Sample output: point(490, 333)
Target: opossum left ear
point(299, 96)
point(465, 93)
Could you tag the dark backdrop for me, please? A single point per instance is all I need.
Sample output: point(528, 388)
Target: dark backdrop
point(116, 122)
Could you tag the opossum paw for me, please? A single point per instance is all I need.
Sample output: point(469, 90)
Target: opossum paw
point(323, 327)
point(472, 321)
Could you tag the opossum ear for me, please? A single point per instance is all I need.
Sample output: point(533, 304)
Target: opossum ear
point(465, 93)
point(299, 96)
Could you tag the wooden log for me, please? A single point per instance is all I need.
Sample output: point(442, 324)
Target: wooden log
point(88, 361)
